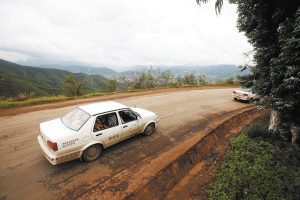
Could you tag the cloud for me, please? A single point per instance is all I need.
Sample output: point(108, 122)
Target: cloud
point(121, 33)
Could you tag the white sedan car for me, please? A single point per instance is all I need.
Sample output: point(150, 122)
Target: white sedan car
point(245, 94)
point(86, 130)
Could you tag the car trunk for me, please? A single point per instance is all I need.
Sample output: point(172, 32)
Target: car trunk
point(54, 130)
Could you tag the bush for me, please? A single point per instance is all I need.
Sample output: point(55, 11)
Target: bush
point(230, 81)
point(258, 131)
point(255, 169)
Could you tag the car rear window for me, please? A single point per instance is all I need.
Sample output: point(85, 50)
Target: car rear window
point(245, 89)
point(75, 119)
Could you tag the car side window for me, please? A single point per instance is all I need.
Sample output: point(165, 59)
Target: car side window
point(127, 116)
point(106, 121)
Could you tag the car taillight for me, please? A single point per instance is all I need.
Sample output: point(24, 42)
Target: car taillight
point(245, 94)
point(234, 92)
point(52, 145)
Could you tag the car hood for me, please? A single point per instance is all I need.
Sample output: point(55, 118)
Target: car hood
point(55, 130)
point(142, 112)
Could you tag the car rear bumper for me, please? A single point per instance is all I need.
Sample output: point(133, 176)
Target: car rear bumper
point(52, 158)
point(47, 153)
point(245, 98)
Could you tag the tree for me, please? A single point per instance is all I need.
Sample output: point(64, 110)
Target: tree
point(272, 28)
point(202, 79)
point(138, 79)
point(166, 77)
point(73, 88)
point(151, 78)
point(189, 78)
point(111, 85)
point(230, 81)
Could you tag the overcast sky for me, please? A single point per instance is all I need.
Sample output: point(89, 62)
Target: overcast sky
point(121, 32)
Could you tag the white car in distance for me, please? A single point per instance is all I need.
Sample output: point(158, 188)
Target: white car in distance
point(245, 94)
point(85, 131)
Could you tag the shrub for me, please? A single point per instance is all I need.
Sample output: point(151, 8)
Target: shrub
point(258, 131)
point(255, 169)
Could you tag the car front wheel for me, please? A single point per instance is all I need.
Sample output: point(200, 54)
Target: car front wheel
point(92, 153)
point(149, 129)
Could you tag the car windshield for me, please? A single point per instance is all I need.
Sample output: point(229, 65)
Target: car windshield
point(75, 119)
point(245, 89)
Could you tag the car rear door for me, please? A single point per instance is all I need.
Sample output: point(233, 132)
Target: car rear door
point(107, 129)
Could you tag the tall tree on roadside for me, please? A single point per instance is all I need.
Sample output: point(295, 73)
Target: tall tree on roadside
point(73, 88)
point(273, 29)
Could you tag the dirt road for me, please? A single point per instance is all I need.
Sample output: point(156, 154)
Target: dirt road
point(26, 174)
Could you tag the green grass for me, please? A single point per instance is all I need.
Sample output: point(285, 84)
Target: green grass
point(35, 101)
point(255, 168)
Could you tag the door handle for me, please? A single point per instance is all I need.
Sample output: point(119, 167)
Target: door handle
point(99, 134)
point(125, 126)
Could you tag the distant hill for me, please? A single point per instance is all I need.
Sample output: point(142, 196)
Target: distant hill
point(42, 81)
point(104, 71)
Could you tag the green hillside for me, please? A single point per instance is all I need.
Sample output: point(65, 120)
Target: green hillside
point(12, 85)
point(20, 79)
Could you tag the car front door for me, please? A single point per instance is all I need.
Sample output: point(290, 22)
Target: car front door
point(107, 129)
point(131, 123)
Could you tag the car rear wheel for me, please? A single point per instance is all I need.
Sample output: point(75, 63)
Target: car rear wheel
point(92, 153)
point(149, 129)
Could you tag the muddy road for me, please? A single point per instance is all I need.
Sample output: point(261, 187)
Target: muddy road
point(26, 174)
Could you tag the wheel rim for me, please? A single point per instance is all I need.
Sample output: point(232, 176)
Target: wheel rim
point(149, 129)
point(93, 152)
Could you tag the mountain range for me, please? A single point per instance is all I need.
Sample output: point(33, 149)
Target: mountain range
point(15, 79)
point(46, 77)
point(212, 72)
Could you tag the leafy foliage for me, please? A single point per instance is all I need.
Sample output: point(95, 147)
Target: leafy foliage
point(272, 27)
point(12, 85)
point(256, 169)
point(73, 88)
point(111, 85)
point(154, 78)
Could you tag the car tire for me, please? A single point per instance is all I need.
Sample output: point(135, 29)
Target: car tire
point(251, 99)
point(92, 153)
point(149, 130)
point(235, 99)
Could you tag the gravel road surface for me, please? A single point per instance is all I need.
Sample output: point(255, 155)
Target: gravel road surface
point(26, 174)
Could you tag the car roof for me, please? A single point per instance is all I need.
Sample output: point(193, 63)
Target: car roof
point(102, 107)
